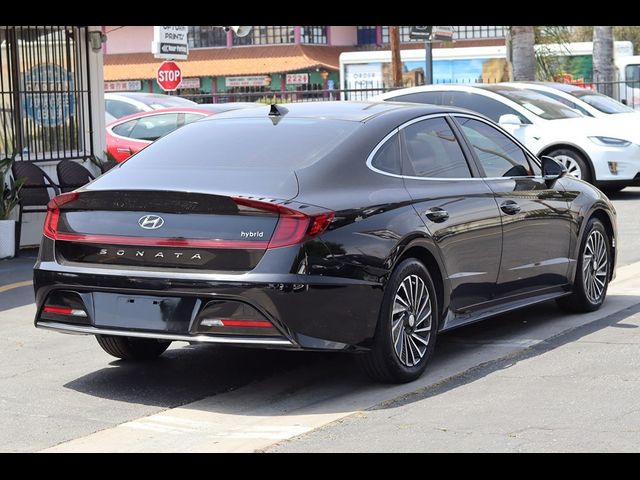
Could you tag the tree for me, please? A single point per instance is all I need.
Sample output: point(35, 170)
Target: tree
point(603, 66)
point(523, 56)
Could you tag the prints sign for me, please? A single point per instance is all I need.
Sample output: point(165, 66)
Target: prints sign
point(49, 98)
point(170, 42)
point(251, 81)
point(297, 78)
point(123, 86)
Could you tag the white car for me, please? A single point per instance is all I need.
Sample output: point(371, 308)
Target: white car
point(592, 149)
point(121, 104)
point(588, 102)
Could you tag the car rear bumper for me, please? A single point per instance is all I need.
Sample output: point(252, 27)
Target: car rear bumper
point(306, 311)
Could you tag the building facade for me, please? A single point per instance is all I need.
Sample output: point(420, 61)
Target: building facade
point(271, 59)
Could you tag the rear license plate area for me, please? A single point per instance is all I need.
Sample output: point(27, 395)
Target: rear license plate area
point(140, 312)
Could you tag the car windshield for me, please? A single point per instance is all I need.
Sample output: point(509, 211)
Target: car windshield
point(168, 102)
point(538, 104)
point(601, 102)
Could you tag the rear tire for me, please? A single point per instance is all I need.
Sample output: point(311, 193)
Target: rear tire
point(593, 271)
point(131, 348)
point(404, 340)
point(575, 163)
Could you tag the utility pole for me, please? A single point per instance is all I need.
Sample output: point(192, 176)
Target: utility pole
point(396, 63)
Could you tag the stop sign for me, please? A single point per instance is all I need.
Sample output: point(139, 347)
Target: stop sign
point(169, 76)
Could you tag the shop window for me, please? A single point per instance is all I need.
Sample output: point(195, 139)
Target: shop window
point(314, 35)
point(366, 35)
point(207, 36)
point(266, 35)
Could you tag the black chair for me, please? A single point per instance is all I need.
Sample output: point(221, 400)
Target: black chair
point(35, 193)
point(72, 175)
point(108, 165)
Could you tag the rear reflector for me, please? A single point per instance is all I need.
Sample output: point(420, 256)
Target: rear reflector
point(64, 311)
point(226, 322)
point(293, 227)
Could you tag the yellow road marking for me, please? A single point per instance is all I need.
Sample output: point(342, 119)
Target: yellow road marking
point(11, 286)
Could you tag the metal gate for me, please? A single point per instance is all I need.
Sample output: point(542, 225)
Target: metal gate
point(44, 93)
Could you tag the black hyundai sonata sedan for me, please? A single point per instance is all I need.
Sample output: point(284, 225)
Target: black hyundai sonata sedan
point(361, 227)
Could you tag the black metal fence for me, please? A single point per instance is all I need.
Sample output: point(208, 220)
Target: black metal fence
point(627, 92)
point(44, 93)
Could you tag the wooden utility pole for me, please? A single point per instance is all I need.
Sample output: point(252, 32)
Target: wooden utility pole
point(396, 63)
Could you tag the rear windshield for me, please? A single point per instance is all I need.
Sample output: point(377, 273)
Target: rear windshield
point(241, 143)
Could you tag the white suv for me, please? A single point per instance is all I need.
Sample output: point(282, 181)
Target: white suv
point(593, 149)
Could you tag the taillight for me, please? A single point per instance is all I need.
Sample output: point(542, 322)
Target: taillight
point(293, 226)
point(50, 228)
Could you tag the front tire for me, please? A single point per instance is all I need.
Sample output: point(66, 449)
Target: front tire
point(407, 326)
point(576, 165)
point(131, 348)
point(593, 271)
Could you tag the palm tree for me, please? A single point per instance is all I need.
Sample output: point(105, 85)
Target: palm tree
point(523, 56)
point(603, 66)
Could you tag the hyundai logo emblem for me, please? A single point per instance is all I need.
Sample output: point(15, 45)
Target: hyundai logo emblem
point(151, 222)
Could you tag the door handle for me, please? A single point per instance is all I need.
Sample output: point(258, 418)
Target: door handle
point(124, 150)
point(436, 214)
point(510, 207)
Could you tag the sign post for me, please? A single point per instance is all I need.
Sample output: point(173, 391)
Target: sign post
point(169, 76)
point(429, 34)
point(170, 43)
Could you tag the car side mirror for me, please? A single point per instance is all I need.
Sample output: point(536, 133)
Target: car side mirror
point(509, 119)
point(552, 169)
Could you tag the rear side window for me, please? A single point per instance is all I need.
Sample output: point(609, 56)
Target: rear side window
point(242, 143)
point(387, 158)
point(124, 129)
point(432, 150)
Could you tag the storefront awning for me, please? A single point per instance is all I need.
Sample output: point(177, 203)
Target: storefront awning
point(218, 62)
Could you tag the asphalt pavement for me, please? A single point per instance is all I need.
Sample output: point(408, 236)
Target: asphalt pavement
point(530, 380)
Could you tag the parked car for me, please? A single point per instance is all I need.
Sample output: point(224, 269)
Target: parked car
point(357, 227)
point(588, 102)
point(121, 104)
point(591, 149)
point(132, 133)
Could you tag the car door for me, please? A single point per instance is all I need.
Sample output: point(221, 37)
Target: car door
point(535, 214)
point(456, 206)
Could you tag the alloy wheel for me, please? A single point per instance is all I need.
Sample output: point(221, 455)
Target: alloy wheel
point(572, 166)
point(411, 320)
point(594, 266)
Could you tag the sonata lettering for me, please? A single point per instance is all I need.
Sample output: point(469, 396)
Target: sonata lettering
point(155, 254)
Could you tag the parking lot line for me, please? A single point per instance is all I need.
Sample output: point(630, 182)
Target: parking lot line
point(12, 286)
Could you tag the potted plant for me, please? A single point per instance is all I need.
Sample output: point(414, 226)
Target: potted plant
point(9, 198)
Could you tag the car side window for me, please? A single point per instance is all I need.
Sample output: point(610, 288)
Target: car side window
point(387, 158)
point(124, 129)
point(192, 117)
point(565, 101)
point(434, 98)
point(120, 109)
point(488, 107)
point(432, 150)
point(497, 153)
point(155, 126)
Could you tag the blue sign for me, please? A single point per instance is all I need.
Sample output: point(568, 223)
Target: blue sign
point(48, 97)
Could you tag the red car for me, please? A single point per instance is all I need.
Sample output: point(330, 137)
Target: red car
point(130, 134)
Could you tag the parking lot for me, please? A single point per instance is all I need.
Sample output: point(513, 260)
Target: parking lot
point(64, 393)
